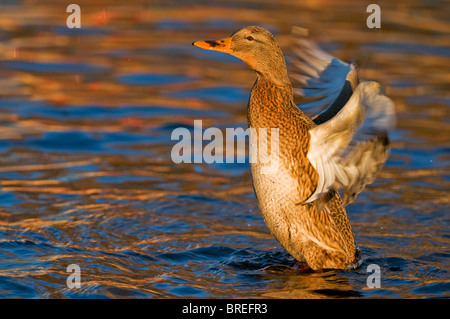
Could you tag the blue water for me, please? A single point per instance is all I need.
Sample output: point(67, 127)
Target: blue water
point(86, 174)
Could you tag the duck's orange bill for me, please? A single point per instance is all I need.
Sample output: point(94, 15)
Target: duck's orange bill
point(222, 45)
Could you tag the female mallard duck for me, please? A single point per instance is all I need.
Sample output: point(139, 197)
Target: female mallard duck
point(342, 148)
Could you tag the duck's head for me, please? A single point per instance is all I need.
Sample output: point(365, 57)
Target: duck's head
point(258, 48)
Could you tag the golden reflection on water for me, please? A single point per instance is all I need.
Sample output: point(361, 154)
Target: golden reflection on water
point(84, 174)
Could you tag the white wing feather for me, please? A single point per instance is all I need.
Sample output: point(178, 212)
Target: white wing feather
point(349, 150)
point(349, 145)
point(321, 76)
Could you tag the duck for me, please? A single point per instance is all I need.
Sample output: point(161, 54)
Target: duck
point(325, 160)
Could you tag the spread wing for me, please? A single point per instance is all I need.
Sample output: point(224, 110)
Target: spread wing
point(326, 80)
point(349, 150)
point(350, 143)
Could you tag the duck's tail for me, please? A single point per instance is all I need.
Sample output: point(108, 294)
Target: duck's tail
point(331, 202)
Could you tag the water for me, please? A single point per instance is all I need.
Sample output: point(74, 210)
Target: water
point(86, 176)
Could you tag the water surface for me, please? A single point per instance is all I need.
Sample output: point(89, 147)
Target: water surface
point(86, 176)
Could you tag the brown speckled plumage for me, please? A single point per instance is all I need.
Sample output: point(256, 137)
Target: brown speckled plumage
point(301, 207)
point(321, 239)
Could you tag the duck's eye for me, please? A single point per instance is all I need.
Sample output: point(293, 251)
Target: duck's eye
point(249, 38)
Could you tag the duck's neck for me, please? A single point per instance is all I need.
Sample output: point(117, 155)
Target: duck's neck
point(271, 105)
point(274, 72)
